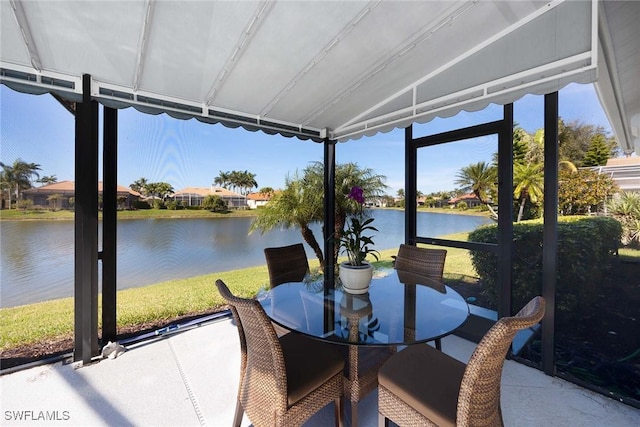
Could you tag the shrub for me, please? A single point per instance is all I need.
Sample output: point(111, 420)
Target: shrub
point(171, 205)
point(626, 209)
point(141, 204)
point(25, 204)
point(214, 203)
point(462, 206)
point(586, 246)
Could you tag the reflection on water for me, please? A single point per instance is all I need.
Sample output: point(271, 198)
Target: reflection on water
point(37, 257)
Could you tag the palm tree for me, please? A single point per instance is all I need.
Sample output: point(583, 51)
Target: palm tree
point(347, 175)
point(295, 206)
point(301, 203)
point(17, 177)
point(568, 165)
point(140, 185)
point(222, 180)
point(480, 178)
point(529, 182)
point(266, 191)
point(234, 180)
point(242, 181)
point(6, 181)
point(48, 179)
point(246, 181)
point(626, 209)
point(53, 200)
point(161, 190)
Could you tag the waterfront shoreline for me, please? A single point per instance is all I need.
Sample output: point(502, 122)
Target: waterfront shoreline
point(67, 215)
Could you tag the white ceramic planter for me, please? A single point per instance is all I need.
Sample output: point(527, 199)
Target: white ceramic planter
point(356, 279)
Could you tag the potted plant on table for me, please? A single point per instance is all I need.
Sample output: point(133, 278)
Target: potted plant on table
point(356, 272)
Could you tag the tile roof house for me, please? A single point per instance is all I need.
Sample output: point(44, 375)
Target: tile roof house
point(255, 200)
point(625, 172)
point(194, 196)
point(40, 196)
point(470, 199)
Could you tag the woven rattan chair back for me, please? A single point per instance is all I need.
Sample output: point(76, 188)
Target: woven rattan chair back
point(263, 393)
point(479, 397)
point(228, 297)
point(446, 392)
point(424, 261)
point(286, 264)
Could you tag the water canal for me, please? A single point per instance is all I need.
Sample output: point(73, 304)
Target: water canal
point(37, 257)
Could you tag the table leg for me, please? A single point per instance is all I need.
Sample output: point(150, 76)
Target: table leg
point(354, 414)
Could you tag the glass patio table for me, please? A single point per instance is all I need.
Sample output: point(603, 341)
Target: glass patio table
point(401, 308)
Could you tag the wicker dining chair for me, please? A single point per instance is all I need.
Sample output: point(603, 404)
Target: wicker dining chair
point(423, 261)
point(421, 386)
point(427, 262)
point(286, 264)
point(283, 381)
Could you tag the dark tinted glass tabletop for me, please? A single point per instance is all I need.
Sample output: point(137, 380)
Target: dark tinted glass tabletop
point(400, 308)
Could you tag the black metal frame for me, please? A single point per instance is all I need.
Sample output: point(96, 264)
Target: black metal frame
point(550, 231)
point(503, 249)
point(109, 223)
point(86, 220)
point(86, 227)
point(329, 211)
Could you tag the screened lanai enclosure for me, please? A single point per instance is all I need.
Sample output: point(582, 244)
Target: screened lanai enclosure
point(326, 72)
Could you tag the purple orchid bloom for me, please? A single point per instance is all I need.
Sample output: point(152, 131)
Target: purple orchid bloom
point(357, 194)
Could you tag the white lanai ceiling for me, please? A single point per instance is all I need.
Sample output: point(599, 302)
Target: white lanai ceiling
point(319, 69)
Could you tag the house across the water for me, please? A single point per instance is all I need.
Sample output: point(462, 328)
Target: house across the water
point(194, 196)
point(60, 195)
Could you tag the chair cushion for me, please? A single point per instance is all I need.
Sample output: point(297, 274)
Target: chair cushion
point(426, 379)
point(309, 364)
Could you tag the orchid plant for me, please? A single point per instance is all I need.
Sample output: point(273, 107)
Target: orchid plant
point(353, 242)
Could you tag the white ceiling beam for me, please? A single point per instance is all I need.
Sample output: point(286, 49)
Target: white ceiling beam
point(238, 50)
point(408, 45)
point(455, 100)
point(143, 43)
point(450, 64)
point(23, 24)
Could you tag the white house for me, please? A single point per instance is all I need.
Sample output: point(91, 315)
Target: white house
point(255, 200)
point(625, 172)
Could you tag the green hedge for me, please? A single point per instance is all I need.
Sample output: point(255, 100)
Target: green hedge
point(586, 248)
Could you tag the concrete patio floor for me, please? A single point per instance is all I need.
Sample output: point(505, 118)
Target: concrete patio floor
point(190, 378)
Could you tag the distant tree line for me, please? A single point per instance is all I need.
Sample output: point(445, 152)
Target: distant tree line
point(17, 177)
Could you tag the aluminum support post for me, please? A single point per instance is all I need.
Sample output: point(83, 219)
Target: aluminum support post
point(109, 223)
point(86, 227)
point(550, 230)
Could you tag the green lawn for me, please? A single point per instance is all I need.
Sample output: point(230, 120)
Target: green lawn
point(166, 301)
point(163, 301)
point(52, 320)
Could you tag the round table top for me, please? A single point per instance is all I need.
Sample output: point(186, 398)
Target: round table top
point(400, 308)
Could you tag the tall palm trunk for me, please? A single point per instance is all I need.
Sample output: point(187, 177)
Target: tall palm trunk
point(310, 238)
point(9, 195)
point(521, 210)
point(494, 214)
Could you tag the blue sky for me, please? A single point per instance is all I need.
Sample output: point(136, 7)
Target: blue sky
point(189, 153)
